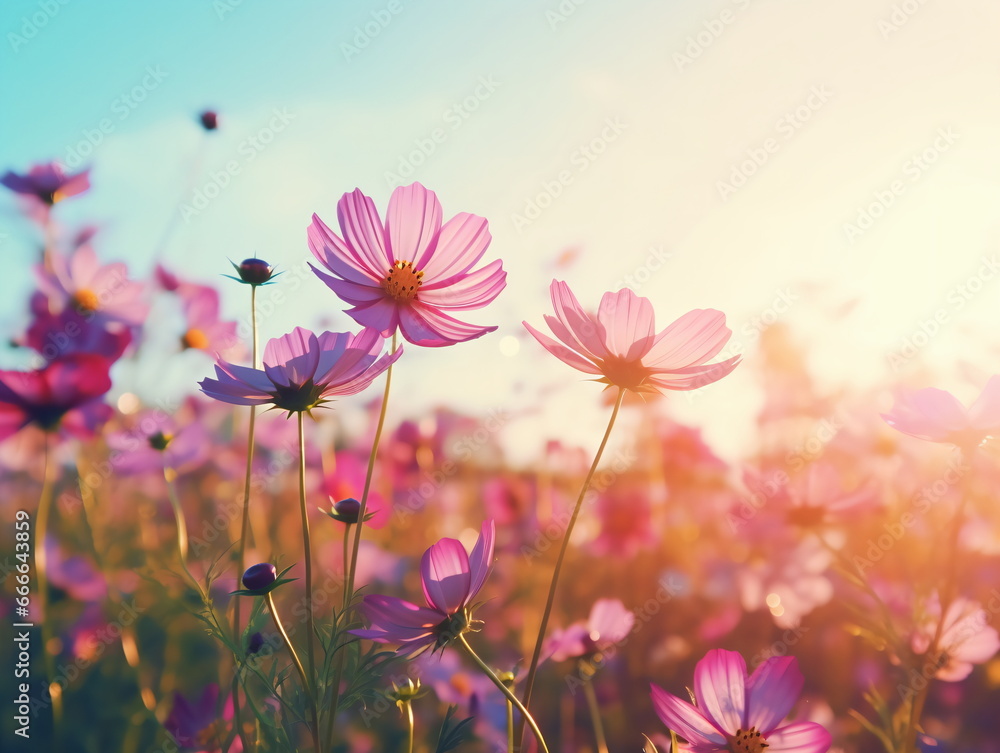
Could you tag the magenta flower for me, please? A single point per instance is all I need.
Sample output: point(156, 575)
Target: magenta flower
point(64, 395)
point(966, 638)
point(935, 415)
point(620, 346)
point(408, 273)
point(738, 714)
point(54, 335)
point(204, 329)
point(302, 371)
point(157, 442)
point(102, 293)
point(451, 578)
point(608, 624)
point(48, 183)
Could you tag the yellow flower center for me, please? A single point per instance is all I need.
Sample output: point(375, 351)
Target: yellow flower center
point(195, 338)
point(746, 741)
point(403, 281)
point(85, 300)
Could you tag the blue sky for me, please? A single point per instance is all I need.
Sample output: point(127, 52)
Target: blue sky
point(742, 141)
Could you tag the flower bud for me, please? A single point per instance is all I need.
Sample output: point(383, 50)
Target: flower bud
point(209, 120)
point(259, 576)
point(347, 510)
point(253, 272)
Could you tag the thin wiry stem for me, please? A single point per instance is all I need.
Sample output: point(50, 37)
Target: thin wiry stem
point(536, 654)
point(595, 715)
point(508, 693)
point(314, 728)
point(41, 569)
point(349, 590)
point(245, 526)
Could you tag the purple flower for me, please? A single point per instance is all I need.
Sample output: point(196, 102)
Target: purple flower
point(408, 272)
point(101, 293)
point(740, 713)
point(64, 395)
point(302, 371)
point(48, 183)
point(451, 578)
point(157, 442)
point(204, 329)
point(609, 623)
point(58, 334)
point(259, 576)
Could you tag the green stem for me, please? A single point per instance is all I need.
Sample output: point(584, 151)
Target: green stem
point(595, 715)
point(409, 720)
point(182, 537)
point(41, 529)
point(245, 528)
point(307, 548)
point(349, 590)
point(536, 654)
point(511, 698)
point(510, 727)
point(301, 670)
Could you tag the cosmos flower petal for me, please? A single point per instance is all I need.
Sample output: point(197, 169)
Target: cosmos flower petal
point(445, 576)
point(930, 414)
point(799, 737)
point(628, 321)
point(362, 229)
point(684, 719)
point(461, 243)
point(692, 339)
point(339, 257)
point(412, 223)
point(985, 412)
point(473, 291)
point(562, 352)
point(589, 332)
point(353, 293)
point(610, 620)
point(720, 687)
point(399, 613)
point(481, 559)
point(771, 692)
point(426, 326)
point(381, 314)
point(694, 377)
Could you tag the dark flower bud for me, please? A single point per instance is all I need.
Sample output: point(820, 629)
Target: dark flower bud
point(209, 120)
point(253, 272)
point(348, 510)
point(259, 576)
point(255, 643)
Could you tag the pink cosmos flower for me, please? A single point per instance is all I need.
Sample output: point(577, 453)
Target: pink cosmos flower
point(621, 347)
point(48, 183)
point(966, 638)
point(204, 329)
point(451, 578)
point(157, 442)
point(409, 272)
point(54, 335)
point(64, 395)
point(302, 371)
point(740, 713)
point(101, 293)
point(609, 622)
point(937, 416)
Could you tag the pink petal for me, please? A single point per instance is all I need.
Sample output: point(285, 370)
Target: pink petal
point(399, 613)
point(684, 719)
point(930, 414)
point(354, 293)
point(338, 257)
point(471, 291)
point(481, 559)
point(381, 314)
point(412, 223)
point(985, 412)
point(610, 620)
point(719, 686)
point(694, 377)
point(689, 341)
point(771, 692)
point(563, 353)
point(587, 330)
point(362, 229)
point(292, 359)
point(83, 265)
point(445, 576)
point(799, 737)
point(461, 243)
point(426, 326)
point(628, 320)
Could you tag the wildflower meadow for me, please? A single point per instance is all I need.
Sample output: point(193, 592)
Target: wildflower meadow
point(331, 422)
